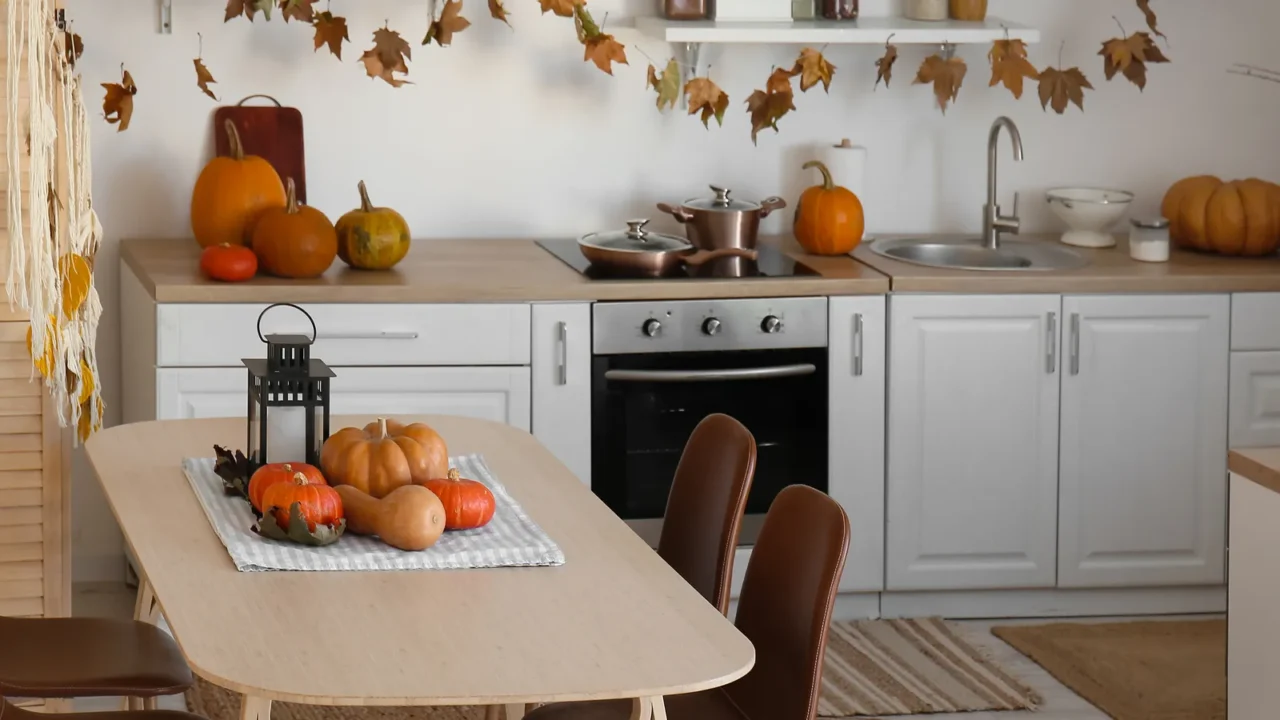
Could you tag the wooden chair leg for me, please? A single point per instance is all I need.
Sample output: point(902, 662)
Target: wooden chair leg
point(493, 712)
point(516, 711)
point(151, 703)
point(641, 708)
point(254, 708)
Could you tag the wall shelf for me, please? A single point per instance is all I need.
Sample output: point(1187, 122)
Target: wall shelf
point(864, 31)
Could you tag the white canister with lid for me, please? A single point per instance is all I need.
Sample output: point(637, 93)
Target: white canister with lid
point(926, 10)
point(1149, 239)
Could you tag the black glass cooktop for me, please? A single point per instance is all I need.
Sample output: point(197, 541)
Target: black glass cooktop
point(771, 263)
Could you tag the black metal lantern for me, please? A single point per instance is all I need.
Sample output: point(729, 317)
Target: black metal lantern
point(288, 398)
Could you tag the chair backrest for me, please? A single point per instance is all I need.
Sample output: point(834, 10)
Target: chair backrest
point(785, 607)
point(704, 510)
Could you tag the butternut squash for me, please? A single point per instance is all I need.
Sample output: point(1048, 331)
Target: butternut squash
point(410, 517)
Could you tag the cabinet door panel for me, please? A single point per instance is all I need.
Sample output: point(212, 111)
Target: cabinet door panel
point(1255, 399)
point(1144, 431)
point(561, 371)
point(973, 431)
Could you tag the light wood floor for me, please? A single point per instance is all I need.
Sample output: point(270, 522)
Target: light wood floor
point(1060, 703)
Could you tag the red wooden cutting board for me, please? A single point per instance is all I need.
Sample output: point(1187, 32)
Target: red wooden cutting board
point(269, 131)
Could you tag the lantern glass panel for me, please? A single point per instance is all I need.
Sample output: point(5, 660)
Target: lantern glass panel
point(254, 449)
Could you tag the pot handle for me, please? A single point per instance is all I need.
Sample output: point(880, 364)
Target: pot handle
point(678, 213)
point(770, 204)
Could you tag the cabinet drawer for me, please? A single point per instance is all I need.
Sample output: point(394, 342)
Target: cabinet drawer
point(1253, 321)
point(1255, 399)
point(213, 335)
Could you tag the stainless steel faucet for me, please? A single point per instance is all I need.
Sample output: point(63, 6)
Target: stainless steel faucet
point(993, 223)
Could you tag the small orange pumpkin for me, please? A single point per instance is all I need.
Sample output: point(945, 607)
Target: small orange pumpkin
point(383, 456)
point(230, 193)
point(317, 503)
point(296, 241)
point(829, 218)
point(275, 473)
point(467, 504)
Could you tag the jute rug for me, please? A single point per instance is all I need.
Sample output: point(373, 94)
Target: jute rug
point(1135, 670)
point(905, 667)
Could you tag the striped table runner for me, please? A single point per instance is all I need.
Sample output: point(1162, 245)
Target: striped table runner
point(510, 539)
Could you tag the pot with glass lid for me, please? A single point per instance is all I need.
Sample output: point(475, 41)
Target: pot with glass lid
point(642, 252)
point(721, 221)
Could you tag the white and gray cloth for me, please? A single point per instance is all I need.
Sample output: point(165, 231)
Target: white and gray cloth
point(511, 539)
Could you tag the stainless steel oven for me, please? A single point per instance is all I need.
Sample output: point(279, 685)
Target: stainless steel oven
point(660, 367)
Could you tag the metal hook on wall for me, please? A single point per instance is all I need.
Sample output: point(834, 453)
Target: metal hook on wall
point(166, 17)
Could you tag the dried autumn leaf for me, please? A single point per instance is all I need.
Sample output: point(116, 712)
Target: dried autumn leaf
point(73, 46)
point(388, 56)
point(1058, 87)
point(563, 8)
point(779, 81)
point(1150, 15)
point(331, 30)
point(667, 84)
point(450, 22)
point(707, 97)
point(1009, 65)
point(946, 76)
point(767, 106)
point(603, 50)
point(300, 10)
point(204, 78)
point(884, 66)
point(813, 68)
point(498, 11)
point(1129, 56)
point(248, 8)
point(119, 101)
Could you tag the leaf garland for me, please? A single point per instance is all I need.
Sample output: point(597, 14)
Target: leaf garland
point(498, 11)
point(1150, 15)
point(667, 83)
point(450, 21)
point(946, 76)
point(1129, 56)
point(1009, 65)
point(599, 47)
point(706, 97)
point(388, 56)
point(884, 66)
point(117, 106)
point(813, 68)
point(768, 106)
point(331, 30)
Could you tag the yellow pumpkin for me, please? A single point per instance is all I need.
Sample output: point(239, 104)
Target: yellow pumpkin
point(1241, 217)
point(372, 238)
point(829, 218)
point(296, 241)
point(230, 194)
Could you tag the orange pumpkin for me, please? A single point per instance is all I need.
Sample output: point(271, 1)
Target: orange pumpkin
point(383, 456)
point(467, 504)
point(317, 503)
point(1240, 217)
point(296, 241)
point(230, 194)
point(275, 473)
point(829, 218)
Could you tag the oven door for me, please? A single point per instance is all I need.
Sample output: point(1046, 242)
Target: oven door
point(644, 408)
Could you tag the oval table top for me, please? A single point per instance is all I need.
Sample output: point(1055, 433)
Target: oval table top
point(614, 621)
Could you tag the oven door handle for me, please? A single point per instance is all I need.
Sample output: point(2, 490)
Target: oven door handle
point(757, 373)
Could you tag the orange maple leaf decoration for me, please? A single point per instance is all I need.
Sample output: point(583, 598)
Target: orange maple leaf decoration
point(946, 76)
point(387, 57)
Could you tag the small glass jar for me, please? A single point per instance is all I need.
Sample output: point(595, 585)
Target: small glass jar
point(933, 10)
point(1149, 239)
point(969, 10)
point(686, 9)
point(840, 9)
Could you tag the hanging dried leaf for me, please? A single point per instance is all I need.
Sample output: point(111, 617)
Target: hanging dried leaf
point(450, 22)
point(813, 68)
point(1009, 65)
point(884, 66)
point(1058, 87)
point(563, 8)
point(76, 275)
point(300, 10)
point(247, 8)
point(1150, 15)
point(1129, 56)
point(498, 11)
point(118, 104)
point(331, 30)
point(767, 106)
point(667, 84)
point(946, 76)
point(388, 56)
point(600, 48)
point(204, 78)
point(73, 46)
point(706, 97)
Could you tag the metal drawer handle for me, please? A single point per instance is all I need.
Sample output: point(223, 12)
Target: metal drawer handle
point(857, 344)
point(562, 361)
point(1051, 341)
point(384, 335)
point(761, 373)
point(1075, 343)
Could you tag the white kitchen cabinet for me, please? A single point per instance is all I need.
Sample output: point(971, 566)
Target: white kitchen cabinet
point(561, 370)
point(1255, 400)
point(973, 441)
point(500, 394)
point(855, 477)
point(1142, 497)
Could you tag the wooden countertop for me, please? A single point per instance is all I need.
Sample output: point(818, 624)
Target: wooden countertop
point(1110, 270)
point(474, 270)
point(1261, 465)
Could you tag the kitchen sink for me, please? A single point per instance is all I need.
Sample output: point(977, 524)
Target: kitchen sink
point(968, 253)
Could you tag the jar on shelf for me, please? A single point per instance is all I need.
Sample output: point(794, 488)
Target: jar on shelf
point(840, 9)
point(803, 9)
point(969, 10)
point(685, 9)
point(925, 10)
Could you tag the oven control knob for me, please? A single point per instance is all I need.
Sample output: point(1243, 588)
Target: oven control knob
point(651, 327)
point(771, 324)
point(710, 326)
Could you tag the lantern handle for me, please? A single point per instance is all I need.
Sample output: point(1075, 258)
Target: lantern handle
point(295, 307)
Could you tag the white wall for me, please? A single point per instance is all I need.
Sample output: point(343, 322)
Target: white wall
point(511, 134)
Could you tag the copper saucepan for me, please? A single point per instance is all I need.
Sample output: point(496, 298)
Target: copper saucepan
point(640, 252)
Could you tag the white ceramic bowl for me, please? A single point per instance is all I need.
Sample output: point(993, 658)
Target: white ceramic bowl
point(1089, 212)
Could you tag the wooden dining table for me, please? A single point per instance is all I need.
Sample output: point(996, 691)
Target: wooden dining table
point(614, 621)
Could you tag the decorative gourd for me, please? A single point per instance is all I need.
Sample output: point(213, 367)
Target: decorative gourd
point(228, 263)
point(273, 474)
point(372, 238)
point(383, 456)
point(829, 218)
point(296, 241)
point(409, 518)
point(318, 504)
point(467, 504)
point(1231, 218)
point(230, 194)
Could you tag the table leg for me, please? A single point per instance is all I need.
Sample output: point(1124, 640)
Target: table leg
point(659, 708)
point(254, 708)
point(492, 712)
point(642, 708)
point(516, 711)
point(145, 608)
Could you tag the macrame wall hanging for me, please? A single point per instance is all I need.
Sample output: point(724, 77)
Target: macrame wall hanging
point(52, 245)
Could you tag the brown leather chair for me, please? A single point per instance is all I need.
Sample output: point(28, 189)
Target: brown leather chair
point(9, 711)
point(88, 657)
point(785, 608)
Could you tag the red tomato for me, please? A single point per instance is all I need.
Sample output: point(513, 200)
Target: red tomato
point(229, 263)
